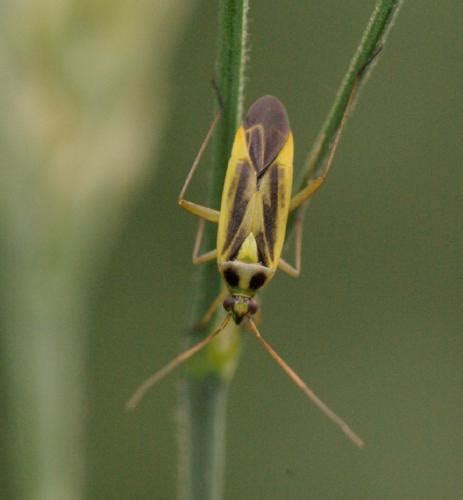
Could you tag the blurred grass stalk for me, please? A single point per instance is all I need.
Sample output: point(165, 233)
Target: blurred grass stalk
point(204, 389)
point(82, 89)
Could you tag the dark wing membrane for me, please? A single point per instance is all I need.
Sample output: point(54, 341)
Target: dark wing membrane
point(238, 194)
point(275, 193)
point(270, 205)
point(267, 127)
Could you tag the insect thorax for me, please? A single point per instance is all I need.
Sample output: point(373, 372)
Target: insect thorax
point(245, 275)
point(243, 278)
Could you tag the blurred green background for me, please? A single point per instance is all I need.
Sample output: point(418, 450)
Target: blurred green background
point(104, 105)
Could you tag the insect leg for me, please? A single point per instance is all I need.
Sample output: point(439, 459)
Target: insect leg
point(296, 379)
point(313, 184)
point(206, 213)
point(217, 302)
point(286, 267)
point(207, 256)
point(140, 392)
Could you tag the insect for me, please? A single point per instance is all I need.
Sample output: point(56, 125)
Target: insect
point(256, 203)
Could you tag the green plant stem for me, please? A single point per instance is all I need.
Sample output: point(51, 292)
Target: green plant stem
point(203, 392)
point(372, 41)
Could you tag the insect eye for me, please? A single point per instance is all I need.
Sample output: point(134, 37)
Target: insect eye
point(231, 277)
point(228, 303)
point(252, 306)
point(257, 281)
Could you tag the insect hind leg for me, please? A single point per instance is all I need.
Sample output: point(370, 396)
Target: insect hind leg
point(283, 265)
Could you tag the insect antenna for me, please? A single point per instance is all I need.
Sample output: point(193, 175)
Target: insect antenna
point(304, 387)
point(152, 380)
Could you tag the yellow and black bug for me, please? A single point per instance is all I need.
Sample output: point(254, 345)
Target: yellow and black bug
point(256, 203)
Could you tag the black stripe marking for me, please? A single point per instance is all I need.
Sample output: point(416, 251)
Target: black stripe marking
point(240, 203)
point(271, 209)
point(231, 277)
point(261, 250)
point(257, 281)
point(236, 245)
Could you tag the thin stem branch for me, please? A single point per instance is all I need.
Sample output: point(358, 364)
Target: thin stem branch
point(371, 43)
point(203, 392)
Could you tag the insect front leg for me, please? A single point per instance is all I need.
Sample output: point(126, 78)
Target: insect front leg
point(218, 301)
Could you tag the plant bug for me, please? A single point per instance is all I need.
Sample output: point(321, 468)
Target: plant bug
point(256, 203)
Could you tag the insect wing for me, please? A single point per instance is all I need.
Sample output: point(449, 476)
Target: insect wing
point(258, 182)
point(238, 193)
point(266, 128)
point(274, 194)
